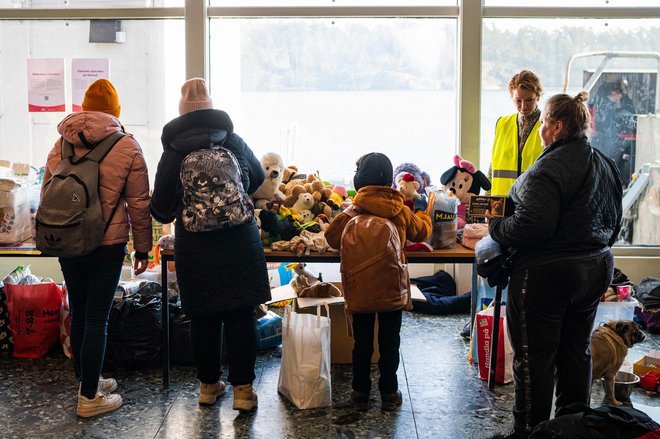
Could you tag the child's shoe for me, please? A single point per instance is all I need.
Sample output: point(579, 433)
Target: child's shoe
point(245, 398)
point(209, 393)
point(102, 403)
point(391, 401)
point(360, 400)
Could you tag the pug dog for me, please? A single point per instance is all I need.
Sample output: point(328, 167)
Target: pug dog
point(609, 346)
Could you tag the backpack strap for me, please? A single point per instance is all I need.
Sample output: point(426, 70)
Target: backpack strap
point(102, 148)
point(352, 211)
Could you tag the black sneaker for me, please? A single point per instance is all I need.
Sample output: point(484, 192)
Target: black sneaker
point(360, 400)
point(391, 401)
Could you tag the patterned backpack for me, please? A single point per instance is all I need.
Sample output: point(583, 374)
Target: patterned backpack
point(213, 193)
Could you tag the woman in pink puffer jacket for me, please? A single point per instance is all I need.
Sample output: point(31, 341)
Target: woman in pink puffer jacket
point(91, 279)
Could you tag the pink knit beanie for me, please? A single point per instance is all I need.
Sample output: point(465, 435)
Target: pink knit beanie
point(194, 96)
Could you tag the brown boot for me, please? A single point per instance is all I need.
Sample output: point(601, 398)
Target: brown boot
point(209, 393)
point(245, 398)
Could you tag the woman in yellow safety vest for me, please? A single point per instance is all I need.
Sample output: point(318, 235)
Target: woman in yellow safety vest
point(517, 142)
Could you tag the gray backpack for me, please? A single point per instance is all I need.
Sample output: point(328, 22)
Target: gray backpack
point(213, 193)
point(69, 221)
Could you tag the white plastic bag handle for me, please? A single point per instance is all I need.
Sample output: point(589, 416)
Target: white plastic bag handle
point(318, 313)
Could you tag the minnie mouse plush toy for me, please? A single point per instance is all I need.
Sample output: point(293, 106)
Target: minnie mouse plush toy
point(463, 179)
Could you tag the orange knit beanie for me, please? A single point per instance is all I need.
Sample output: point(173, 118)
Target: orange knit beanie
point(102, 96)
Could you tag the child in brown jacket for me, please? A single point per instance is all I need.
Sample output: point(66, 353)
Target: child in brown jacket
point(375, 196)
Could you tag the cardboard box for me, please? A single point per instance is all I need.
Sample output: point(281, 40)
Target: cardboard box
point(341, 345)
point(644, 365)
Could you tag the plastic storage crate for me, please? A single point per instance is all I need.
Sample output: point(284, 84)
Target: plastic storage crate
point(615, 311)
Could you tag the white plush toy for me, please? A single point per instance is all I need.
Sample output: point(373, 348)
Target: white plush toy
point(269, 190)
point(305, 202)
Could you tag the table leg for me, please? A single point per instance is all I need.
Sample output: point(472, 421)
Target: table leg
point(165, 348)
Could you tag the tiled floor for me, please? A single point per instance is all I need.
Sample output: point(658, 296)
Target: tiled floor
point(443, 398)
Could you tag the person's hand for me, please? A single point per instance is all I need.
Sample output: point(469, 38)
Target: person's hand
point(139, 265)
point(420, 203)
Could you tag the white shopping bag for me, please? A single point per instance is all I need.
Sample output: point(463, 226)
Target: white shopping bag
point(305, 370)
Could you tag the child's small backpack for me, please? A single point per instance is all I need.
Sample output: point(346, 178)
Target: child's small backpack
point(373, 275)
point(69, 221)
point(213, 193)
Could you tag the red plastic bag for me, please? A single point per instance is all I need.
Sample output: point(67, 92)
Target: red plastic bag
point(34, 314)
point(504, 368)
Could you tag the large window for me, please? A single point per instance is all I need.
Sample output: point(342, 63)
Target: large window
point(622, 98)
point(147, 70)
point(322, 92)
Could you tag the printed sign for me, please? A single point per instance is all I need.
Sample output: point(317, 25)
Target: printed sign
point(45, 84)
point(84, 71)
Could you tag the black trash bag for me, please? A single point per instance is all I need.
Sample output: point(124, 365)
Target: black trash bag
point(180, 345)
point(134, 331)
point(603, 422)
point(6, 339)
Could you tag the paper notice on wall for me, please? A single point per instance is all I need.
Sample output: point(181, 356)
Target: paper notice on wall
point(84, 71)
point(45, 84)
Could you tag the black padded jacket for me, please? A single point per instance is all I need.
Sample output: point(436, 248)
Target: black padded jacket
point(566, 205)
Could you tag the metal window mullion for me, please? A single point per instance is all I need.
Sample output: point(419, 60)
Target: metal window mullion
point(88, 14)
point(197, 39)
point(469, 79)
point(568, 12)
point(326, 11)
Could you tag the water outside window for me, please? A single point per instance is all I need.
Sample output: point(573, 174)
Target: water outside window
point(322, 92)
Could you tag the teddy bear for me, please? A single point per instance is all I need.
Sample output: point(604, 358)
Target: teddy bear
point(464, 180)
point(269, 190)
point(305, 202)
point(408, 187)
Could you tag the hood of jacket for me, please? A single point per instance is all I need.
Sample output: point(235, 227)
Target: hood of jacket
point(88, 127)
point(196, 130)
point(379, 200)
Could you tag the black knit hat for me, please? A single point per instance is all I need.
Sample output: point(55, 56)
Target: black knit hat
point(373, 169)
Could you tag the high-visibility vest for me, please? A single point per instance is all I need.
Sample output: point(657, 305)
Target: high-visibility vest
point(507, 164)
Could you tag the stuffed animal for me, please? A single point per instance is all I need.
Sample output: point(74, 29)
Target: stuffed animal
point(267, 223)
point(408, 187)
point(421, 177)
point(305, 202)
point(464, 180)
point(269, 190)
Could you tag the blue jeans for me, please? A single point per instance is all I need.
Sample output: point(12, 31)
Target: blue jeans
point(91, 281)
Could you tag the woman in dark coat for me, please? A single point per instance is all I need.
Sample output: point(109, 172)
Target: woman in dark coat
point(222, 274)
point(567, 214)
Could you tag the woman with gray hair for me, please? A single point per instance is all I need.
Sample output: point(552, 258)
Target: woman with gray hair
point(566, 215)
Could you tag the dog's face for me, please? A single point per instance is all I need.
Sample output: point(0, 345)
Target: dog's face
point(628, 330)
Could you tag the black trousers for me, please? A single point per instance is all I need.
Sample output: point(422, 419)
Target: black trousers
point(550, 313)
point(241, 341)
point(389, 325)
point(91, 281)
